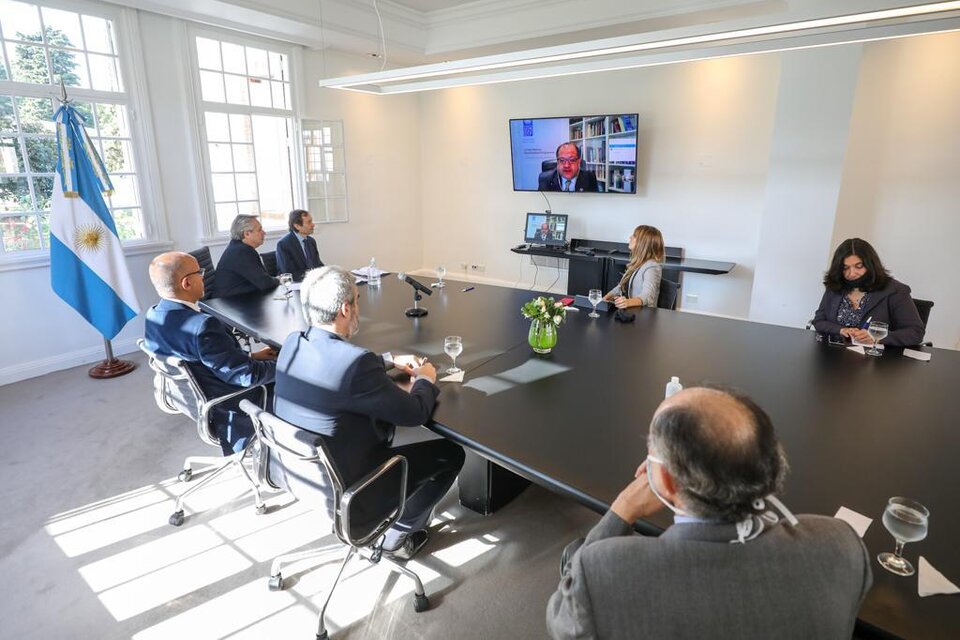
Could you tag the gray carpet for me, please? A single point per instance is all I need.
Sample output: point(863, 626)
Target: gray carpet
point(89, 479)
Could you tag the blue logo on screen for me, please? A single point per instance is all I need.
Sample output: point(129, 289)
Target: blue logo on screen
point(527, 128)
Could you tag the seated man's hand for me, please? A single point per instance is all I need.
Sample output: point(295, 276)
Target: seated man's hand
point(426, 370)
point(408, 363)
point(267, 353)
point(637, 499)
point(622, 302)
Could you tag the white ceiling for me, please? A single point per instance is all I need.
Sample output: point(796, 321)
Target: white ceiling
point(426, 6)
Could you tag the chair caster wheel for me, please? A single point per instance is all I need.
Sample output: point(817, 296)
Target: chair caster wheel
point(275, 583)
point(185, 475)
point(420, 602)
point(177, 518)
point(262, 509)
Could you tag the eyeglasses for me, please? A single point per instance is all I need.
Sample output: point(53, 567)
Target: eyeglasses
point(195, 273)
point(568, 160)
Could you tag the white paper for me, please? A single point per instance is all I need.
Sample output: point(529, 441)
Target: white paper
point(857, 349)
point(858, 521)
point(931, 582)
point(922, 356)
point(364, 272)
point(453, 377)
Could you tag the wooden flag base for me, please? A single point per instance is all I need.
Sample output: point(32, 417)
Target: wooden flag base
point(111, 368)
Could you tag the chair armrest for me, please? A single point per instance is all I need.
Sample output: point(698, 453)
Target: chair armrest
point(365, 483)
point(208, 406)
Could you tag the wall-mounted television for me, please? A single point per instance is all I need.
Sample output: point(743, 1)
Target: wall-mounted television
point(580, 154)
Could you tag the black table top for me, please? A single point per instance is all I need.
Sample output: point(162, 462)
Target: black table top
point(856, 429)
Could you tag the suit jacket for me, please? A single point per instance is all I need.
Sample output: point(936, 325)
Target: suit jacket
point(643, 284)
point(791, 582)
point(550, 181)
point(241, 270)
point(892, 305)
point(214, 357)
point(290, 256)
point(337, 391)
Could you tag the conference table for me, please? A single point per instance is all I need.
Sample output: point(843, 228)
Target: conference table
point(856, 429)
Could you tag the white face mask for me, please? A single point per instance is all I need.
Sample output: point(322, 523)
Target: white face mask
point(653, 487)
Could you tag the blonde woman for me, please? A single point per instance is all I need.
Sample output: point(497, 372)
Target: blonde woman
point(640, 284)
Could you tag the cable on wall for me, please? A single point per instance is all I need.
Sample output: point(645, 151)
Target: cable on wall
point(383, 39)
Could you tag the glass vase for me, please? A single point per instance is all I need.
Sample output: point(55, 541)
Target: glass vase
point(542, 336)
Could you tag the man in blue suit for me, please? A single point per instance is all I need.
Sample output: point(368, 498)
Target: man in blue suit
point(177, 327)
point(297, 251)
point(336, 390)
point(240, 269)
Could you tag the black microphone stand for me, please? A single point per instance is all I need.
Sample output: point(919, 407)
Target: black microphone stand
point(416, 311)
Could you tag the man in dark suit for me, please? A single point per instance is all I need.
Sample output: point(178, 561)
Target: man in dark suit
point(568, 176)
point(735, 562)
point(341, 392)
point(177, 327)
point(297, 251)
point(542, 234)
point(240, 269)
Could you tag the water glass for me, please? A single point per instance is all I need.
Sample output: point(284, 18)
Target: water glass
point(284, 292)
point(453, 347)
point(878, 331)
point(596, 295)
point(441, 271)
point(906, 520)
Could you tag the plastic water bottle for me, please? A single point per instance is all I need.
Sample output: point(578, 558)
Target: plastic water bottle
point(373, 275)
point(673, 386)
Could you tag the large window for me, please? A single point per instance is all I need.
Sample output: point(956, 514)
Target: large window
point(248, 129)
point(39, 45)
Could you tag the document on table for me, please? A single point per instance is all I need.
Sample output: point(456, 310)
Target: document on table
point(858, 521)
point(931, 582)
point(922, 356)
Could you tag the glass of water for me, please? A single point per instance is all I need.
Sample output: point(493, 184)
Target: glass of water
point(283, 293)
point(441, 271)
point(453, 347)
point(878, 331)
point(906, 520)
point(595, 297)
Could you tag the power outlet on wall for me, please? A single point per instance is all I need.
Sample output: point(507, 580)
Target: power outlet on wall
point(464, 266)
point(691, 298)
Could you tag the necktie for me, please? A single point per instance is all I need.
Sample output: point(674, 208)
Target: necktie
point(566, 185)
point(307, 254)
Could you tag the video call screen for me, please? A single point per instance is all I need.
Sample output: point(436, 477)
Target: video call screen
point(546, 228)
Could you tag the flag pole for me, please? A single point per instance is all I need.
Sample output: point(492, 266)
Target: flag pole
point(110, 367)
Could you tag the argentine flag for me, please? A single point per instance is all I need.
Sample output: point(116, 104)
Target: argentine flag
point(87, 267)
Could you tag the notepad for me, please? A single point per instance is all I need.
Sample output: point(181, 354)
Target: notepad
point(922, 356)
point(858, 521)
point(931, 582)
point(453, 377)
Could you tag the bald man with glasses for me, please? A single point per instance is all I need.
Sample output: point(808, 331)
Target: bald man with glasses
point(568, 175)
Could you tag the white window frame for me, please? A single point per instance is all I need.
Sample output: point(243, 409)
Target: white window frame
point(142, 141)
point(324, 200)
point(212, 235)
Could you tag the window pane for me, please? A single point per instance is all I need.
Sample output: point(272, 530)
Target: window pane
point(103, 73)
point(7, 120)
point(129, 224)
point(236, 88)
point(117, 156)
point(35, 115)
point(251, 208)
point(279, 100)
point(208, 54)
point(220, 160)
point(63, 28)
point(246, 186)
point(333, 160)
point(211, 86)
point(41, 154)
point(45, 229)
point(112, 119)
point(233, 58)
point(19, 19)
point(259, 92)
point(11, 158)
point(43, 189)
point(218, 128)
point(28, 63)
point(226, 212)
point(223, 187)
point(243, 157)
point(336, 209)
point(240, 130)
point(257, 63)
point(20, 233)
point(15, 194)
point(316, 189)
point(333, 134)
point(3, 66)
point(124, 191)
point(336, 185)
point(98, 35)
point(71, 66)
point(273, 164)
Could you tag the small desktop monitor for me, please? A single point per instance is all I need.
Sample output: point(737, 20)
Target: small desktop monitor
point(546, 228)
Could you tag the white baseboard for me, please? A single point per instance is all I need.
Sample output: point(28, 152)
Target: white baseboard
point(513, 284)
point(62, 361)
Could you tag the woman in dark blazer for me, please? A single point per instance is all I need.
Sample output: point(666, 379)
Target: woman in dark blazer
point(859, 290)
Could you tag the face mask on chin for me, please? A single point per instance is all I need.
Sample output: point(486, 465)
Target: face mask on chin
point(859, 283)
point(653, 487)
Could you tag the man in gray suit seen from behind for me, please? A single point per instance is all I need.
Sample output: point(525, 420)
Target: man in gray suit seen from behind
point(730, 566)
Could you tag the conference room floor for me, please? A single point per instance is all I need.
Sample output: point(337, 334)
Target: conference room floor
point(86, 551)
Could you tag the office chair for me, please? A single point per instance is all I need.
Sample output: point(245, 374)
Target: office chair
point(923, 309)
point(548, 165)
point(209, 275)
point(175, 390)
point(270, 262)
point(669, 292)
point(319, 483)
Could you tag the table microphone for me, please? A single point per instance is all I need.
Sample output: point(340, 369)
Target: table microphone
point(415, 284)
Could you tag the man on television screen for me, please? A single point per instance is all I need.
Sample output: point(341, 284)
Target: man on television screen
point(568, 176)
point(543, 233)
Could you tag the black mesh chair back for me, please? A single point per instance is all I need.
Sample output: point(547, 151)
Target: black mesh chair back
point(270, 262)
point(209, 276)
point(669, 292)
point(923, 308)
